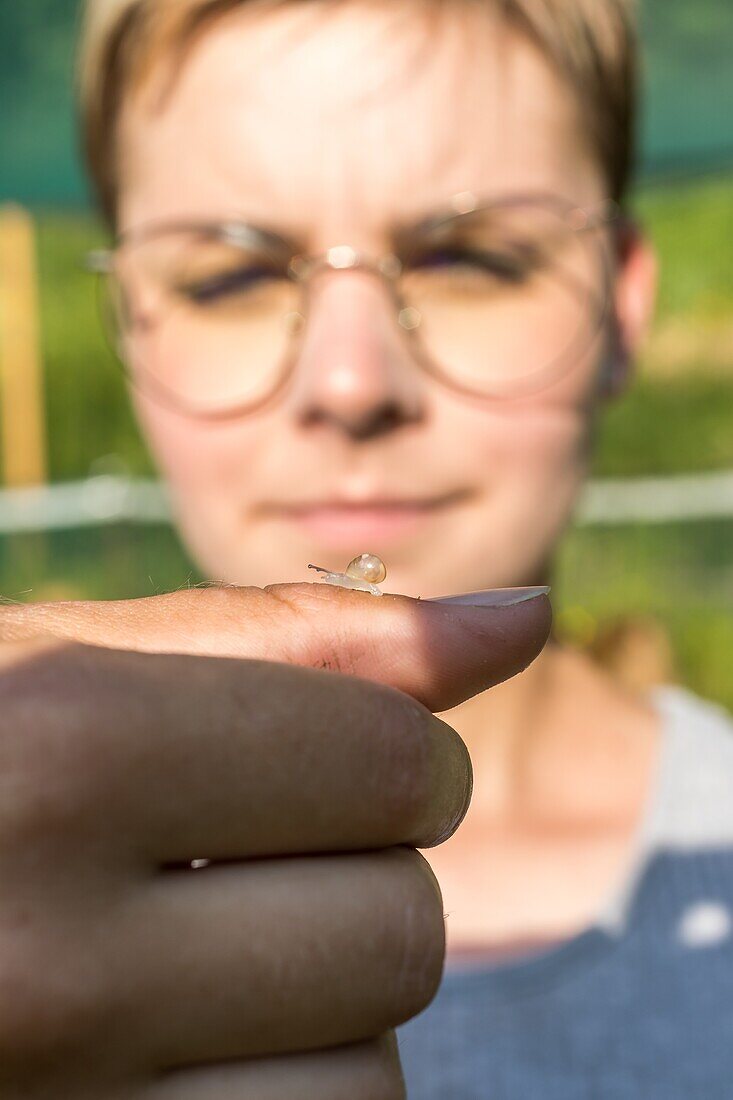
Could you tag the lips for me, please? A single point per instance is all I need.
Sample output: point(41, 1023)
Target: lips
point(371, 523)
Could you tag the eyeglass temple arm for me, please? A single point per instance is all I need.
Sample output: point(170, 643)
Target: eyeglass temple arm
point(99, 261)
point(595, 217)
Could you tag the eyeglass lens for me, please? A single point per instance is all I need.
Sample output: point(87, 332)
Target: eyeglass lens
point(500, 300)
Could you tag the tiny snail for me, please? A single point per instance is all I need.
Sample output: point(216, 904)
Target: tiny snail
point(363, 573)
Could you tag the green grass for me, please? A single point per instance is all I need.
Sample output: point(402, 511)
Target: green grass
point(672, 425)
point(88, 414)
point(677, 418)
point(692, 227)
point(678, 414)
point(123, 561)
point(677, 575)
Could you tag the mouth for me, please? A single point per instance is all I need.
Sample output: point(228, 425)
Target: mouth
point(345, 525)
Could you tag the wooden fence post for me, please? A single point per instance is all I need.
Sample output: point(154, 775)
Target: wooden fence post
point(21, 373)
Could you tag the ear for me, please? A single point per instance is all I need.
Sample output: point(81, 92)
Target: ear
point(635, 296)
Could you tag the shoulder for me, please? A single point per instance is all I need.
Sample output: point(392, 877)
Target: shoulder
point(694, 804)
point(688, 825)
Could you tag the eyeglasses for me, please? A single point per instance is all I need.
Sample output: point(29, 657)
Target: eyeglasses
point(497, 299)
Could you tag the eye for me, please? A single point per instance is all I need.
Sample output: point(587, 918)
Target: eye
point(218, 286)
point(509, 264)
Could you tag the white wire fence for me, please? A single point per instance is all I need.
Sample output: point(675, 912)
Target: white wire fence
point(108, 499)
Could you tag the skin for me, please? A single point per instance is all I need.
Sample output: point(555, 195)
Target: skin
point(241, 131)
point(126, 975)
point(139, 736)
point(249, 147)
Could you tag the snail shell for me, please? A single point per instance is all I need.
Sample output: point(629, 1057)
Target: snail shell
point(367, 567)
point(363, 573)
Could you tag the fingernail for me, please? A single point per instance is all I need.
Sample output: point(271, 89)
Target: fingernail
point(493, 597)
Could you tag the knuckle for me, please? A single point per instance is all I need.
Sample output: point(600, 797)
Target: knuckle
point(385, 1080)
point(47, 1007)
point(390, 1086)
point(32, 741)
point(224, 603)
point(453, 787)
point(243, 621)
point(210, 597)
point(45, 741)
point(421, 932)
point(383, 1083)
point(405, 764)
point(422, 769)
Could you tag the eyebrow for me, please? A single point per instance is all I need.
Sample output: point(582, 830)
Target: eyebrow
point(399, 232)
point(294, 243)
point(429, 223)
point(442, 213)
point(403, 235)
point(441, 218)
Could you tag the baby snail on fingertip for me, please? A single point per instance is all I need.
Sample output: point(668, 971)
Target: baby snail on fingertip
point(364, 573)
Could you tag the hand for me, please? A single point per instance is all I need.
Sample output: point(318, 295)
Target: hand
point(134, 739)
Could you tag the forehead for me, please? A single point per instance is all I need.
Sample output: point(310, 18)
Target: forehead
point(321, 119)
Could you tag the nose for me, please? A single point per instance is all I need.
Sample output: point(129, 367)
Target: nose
point(356, 372)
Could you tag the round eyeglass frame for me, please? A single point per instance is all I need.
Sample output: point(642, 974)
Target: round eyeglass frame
point(388, 267)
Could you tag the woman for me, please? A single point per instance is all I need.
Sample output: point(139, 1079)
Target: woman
point(373, 287)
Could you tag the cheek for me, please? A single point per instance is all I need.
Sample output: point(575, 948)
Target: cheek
point(525, 443)
point(213, 471)
point(531, 459)
point(546, 465)
point(205, 464)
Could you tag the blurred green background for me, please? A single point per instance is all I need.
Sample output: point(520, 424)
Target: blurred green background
point(618, 586)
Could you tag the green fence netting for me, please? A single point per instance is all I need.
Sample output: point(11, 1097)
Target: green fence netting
point(687, 128)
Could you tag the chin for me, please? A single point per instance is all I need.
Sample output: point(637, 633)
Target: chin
point(443, 563)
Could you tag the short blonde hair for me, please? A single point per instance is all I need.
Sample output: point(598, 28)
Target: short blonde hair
point(592, 43)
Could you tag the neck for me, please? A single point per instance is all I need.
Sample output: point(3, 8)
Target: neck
point(536, 740)
point(563, 763)
point(499, 728)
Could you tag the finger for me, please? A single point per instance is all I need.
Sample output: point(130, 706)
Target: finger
point(362, 1071)
point(440, 654)
point(172, 758)
point(189, 758)
point(258, 960)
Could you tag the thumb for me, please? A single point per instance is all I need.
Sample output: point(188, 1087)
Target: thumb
point(439, 653)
